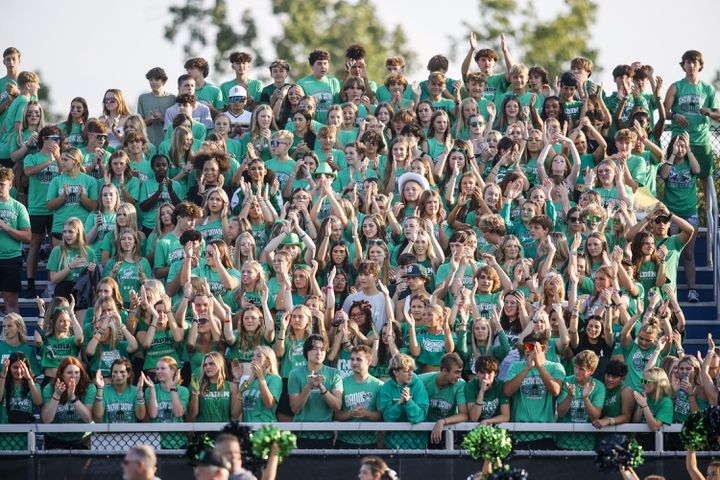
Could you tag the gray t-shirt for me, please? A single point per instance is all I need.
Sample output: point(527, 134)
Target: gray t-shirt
point(378, 306)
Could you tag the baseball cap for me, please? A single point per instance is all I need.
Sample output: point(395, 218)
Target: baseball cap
point(211, 458)
point(237, 91)
point(416, 270)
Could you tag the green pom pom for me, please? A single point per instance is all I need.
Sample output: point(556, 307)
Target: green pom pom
point(489, 443)
point(636, 454)
point(265, 437)
point(694, 434)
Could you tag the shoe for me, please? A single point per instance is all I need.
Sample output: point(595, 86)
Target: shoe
point(30, 291)
point(693, 296)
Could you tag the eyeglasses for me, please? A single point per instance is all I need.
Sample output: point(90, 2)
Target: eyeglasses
point(475, 124)
point(276, 143)
point(101, 136)
point(659, 220)
point(646, 381)
point(54, 138)
point(238, 99)
point(573, 219)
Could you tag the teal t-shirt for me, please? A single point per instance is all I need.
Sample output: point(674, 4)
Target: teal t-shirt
point(445, 401)
point(39, 183)
point(15, 215)
point(57, 261)
point(578, 414)
point(360, 394)
point(214, 405)
point(493, 398)
point(119, 407)
point(254, 410)
point(316, 408)
point(72, 206)
point(325, 91)
point(66, 412)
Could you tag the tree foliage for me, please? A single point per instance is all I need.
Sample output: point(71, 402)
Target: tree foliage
point(305, 25)
point(207, 23)
point(550, 43)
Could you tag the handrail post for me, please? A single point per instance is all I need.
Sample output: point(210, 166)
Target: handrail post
point(449, 439)
point(31, 443)
point(659, 441)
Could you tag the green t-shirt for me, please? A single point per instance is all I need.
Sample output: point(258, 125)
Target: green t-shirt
point(104, 355)
point(168, 251)
point(681, 406)
point(163, 344)
point(210, 95)
point(360, 394)
point(674, 248)
point(325, 91)
point(293, 357)
point(28, 350)
point(20, 403)
point(282, 169)
point(254, 410)
point(211, 231)
point(132, 186)
point(57, 261)
point(661, 409)
point(444, 401)
point(681, 193)
point(66, 412)
point(214, 406)
point(578, 414)
point(492, 398)
point(432, 348)
point(689, 99)
point(169, 440)
point(531, 402)
point(61, 347)
point(106, 228)
point(148, 189)
point(128, 275)
point(144, 170)
point(39, 183)
point(15, 215)
point(75, 137)
point(495, 85)
point(13, 115)
point(72, 206)
point(253, 87)
point(119, 407)
point(636, 360)
point(316, 408)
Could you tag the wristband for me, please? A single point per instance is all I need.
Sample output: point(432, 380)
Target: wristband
point(73, 399)
point(173, 389)
point(57, 399)
point(479, 404)
point(612, 421)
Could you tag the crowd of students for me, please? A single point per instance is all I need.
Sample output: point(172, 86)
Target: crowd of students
point(334, 249)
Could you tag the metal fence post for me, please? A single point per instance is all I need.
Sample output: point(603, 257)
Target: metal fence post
point(31, 444)
point(449, 439)
point(659, 441)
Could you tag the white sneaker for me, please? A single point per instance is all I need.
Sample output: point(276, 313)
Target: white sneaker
point(693, 296)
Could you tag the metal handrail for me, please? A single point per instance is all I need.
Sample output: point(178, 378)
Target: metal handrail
point(32, 429)
point(713, 240)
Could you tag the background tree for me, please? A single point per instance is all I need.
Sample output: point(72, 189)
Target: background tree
point(333, 25)
point(305, 25)
point(204, 23)
point(549, 43)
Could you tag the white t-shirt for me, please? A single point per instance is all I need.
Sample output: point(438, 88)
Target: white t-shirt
point(377, 302)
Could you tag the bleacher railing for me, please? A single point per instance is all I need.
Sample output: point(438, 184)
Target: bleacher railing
point(116, 438)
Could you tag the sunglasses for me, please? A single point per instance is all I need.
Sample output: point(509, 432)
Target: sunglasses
point(592, 219)
point(475, 124)
point(202, 321)
point(659, 220)
point(646, 381)
point(101, 136)
point(238, 99)
point(529, 347)
point(276, 143)
point(573, 219)
point(54, 138)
